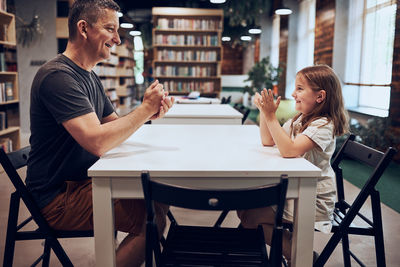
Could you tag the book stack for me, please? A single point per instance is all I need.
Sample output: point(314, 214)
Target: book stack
point(3, 120)
point(6, 92)
point(6, 144)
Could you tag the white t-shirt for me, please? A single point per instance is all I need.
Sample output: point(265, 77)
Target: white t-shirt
point(320, 132)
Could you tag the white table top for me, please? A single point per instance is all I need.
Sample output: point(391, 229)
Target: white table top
point(198, 150)
point(203, 111)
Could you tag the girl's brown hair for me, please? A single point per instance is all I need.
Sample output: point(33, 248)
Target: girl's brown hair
point(323, 77)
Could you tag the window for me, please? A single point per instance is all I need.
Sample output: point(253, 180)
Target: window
point(370, 54)
point(305, 41)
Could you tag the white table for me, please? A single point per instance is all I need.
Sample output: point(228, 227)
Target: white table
point(199, 100)
point(215, 156)
point(201, 114)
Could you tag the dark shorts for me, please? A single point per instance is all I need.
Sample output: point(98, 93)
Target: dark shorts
point(73, 210)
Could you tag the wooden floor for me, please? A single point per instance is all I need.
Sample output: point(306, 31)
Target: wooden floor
point(81, 251)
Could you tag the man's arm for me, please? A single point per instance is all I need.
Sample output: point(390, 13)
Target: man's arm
point(97, 137)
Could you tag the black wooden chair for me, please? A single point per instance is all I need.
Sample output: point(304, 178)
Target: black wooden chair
point(11, 162)
point(345, 213)
point(213, 246)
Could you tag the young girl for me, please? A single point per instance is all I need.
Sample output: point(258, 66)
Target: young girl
point(310, 134)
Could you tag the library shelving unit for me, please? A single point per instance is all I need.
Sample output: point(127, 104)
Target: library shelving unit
point(9, 92)
point(116, 75)
point(187, 50)
point(126, 76)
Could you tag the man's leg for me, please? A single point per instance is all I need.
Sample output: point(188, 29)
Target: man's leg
point(73, 210)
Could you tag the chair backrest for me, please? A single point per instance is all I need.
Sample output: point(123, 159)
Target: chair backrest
point(221, 199)
point(11, 162)
point(365, 155)
point(245, 111)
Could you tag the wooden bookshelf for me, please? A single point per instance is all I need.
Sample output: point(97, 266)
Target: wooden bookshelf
point(9, 90)
point(117, 76)
point(187, 49)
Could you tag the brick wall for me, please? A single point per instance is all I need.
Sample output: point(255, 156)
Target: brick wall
point(394, 110)
point(283, 48)
point(324, 31)
point(232, 59)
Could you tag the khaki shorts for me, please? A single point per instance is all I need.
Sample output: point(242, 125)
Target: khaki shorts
point(73, 210)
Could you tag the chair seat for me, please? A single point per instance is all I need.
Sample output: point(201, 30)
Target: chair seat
point(354, 228)
point(210, 246)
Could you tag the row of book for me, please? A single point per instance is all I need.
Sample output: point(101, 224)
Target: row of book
point(6, 144)
point(187, 71)
point(108, 83)
point(3, 120)
point(182, 39)
point(6, 92)
point(179, 86)
point(189, 24)
point(190, 55)
point(104, 70)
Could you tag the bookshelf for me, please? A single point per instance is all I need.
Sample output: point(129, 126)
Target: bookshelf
point(9, 91)
point(187, 49)
point(116, 75)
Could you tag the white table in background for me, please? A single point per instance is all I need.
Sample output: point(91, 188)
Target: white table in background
point(200, 100)
point(215, 156)
point(201, 114)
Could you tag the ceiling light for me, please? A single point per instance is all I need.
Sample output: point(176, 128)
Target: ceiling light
point(225, 38)
point(126, 25)
point(245, 38)
point(283, 11)
point(135, 33)
point(217, 1)
point(255, 31)
point(119, 14)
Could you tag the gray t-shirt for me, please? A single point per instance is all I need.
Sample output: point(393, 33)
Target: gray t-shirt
point(61, 90)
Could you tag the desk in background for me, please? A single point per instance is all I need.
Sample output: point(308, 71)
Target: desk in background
point(201, 114)
point(214, 156)
point(199, 100)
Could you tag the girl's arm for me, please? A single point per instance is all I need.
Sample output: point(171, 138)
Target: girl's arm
point(266, 138)
point(287, 147)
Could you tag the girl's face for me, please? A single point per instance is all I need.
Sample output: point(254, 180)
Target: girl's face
point(306, 98)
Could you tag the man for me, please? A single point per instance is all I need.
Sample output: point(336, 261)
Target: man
point(73, 123)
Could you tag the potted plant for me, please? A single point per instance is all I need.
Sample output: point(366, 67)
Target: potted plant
point(262, 75)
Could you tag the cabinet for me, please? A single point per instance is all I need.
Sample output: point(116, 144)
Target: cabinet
point(9, 92)
point(187, 49)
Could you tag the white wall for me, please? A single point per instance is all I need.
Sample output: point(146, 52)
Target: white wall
point(43, 50)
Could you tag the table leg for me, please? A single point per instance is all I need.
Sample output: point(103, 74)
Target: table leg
point(304, 218)
point(103, 219)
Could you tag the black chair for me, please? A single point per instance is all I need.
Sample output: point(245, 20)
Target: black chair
point(345, 213)
point(11, 162)
point(245, 111)
point(213, 246)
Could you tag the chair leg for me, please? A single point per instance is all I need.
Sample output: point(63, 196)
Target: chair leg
point(59, 251)
point(346, 250)
point(221, 218)
point(329, 248)
point(149, 247)
point(378, 228)
point(46, 254)
point(11, 230)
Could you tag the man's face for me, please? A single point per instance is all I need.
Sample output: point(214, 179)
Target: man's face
point(103, 34)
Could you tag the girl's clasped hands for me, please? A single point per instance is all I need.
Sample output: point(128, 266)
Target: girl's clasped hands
point(265, 102)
